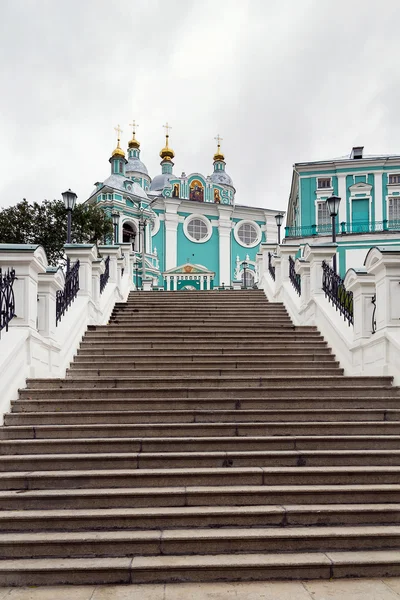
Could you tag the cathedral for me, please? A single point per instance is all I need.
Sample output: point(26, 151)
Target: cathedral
point(187, 231)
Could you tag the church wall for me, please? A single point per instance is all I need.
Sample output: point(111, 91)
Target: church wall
point(206, 253)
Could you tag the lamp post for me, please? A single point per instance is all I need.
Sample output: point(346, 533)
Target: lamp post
point(69, 198)
point(332, 204)
point(244, 265)
point(136, 267)
point(279, 221)
point(115, 219)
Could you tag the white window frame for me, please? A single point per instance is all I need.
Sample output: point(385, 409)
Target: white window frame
point(327, 187)
point(394, 175)
point(247, 222)
point(387, 212)
point(206, 221)
point(329, 221)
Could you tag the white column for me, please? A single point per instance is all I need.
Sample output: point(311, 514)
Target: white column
point(28, 261)
point(362, 285)
point(97, 269)
point(225, 236)
point(114, 253)
point(284, 251)
point(48, 285)
point(379, 200)
point(316, 255)
point(342, 194)
point(302, 268)
point(86, 254)
point(384, 264)
point(175, 279)
point(171, 233)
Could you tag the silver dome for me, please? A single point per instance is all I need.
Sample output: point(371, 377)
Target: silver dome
point(135, 165)
point(221, 177)
point(161, 181)
point(117, 182)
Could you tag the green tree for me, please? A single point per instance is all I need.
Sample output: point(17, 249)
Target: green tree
point(46, 224)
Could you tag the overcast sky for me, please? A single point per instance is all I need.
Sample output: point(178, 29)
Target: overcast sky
point(282, 81)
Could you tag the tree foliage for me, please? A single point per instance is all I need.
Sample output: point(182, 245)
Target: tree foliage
point(46, 224)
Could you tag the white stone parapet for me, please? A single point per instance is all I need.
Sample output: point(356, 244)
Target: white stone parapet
point(369, 346)
point(35, 345)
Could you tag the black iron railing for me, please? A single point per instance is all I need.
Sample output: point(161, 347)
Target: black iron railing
point(373, 302)
point(294, 277)
point(336, 293)
point(7, 300)
point(65, 297)
point(104, 277)
point(271, 268)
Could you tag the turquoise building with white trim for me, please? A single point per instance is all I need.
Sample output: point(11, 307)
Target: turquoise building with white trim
point(186, 231)
point(369, 212)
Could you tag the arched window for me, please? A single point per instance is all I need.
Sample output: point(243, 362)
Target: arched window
point(249, 278)
point(129, 235)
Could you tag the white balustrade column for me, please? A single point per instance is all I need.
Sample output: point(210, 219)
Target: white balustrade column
point(49, 284)
point(285, 251)
point(114, 252)
point(384, 264)
point(362, 285)
point(28, 261)
point(302, 268)
point(126, 250)
point(316, 255)
point(97, 270)
point(86, 254)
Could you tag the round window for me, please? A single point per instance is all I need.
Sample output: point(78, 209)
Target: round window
point(197, 229)
point(247, 233)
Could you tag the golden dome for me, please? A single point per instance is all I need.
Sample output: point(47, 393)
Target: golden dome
point(118, 151)
point(218, 155)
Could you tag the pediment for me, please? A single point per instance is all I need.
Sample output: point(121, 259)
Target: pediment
point(189, 269)
point(360, 188)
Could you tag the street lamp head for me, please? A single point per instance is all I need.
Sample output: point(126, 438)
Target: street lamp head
point(69, 198)
point(279, 219)
point(333, 205)
point(115, 217)
point(245, 264)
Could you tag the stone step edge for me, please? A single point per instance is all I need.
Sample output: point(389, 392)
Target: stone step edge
point(232, 567)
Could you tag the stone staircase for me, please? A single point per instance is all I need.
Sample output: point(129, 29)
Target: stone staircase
point(200, 436)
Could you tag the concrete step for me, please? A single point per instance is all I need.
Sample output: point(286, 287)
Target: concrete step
point(112, 519)
point(190, 370)
point(310, 403)
point(197, 496)
point(199, 334)
point(199, 429)
point(238, 393)
point(320, 348)
point(226, 567)
point(178, 381)
point(239, 362)
point(209, 541)
point(198, 416)
point(234, 476)
point(193, 444)
point(183, 460)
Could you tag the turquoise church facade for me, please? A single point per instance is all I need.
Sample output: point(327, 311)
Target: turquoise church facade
point(187, 231)
point(369, 211)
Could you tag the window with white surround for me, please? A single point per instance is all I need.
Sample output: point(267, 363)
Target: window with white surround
point(197, 228)
point(324, 182)
point(394, 209)
point(323, 216)
point(394, 179)
point(247, 233)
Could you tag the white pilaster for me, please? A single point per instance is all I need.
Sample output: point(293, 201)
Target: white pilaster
point(316, 255)
point(225, 236)
point(342, 194)
point(171, 233)
point(378, 197)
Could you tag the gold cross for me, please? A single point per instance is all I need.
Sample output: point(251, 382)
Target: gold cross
point(219, 140)
point(119, 131)
point(134, 125)
point(167, 128)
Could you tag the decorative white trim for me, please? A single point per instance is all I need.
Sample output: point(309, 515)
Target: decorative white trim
point(156, 228)
point(237, 238)
point(202, 218)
